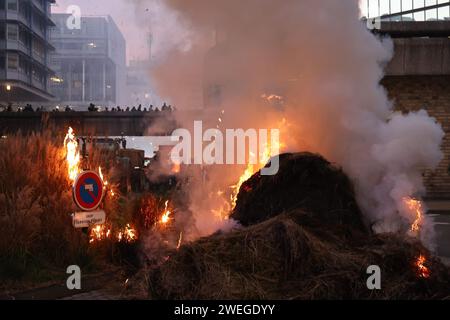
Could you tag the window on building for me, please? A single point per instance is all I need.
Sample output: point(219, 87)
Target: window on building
point(2, 62)
point(12, 5)
point(37, 75)
point(23, 8)
point(13, 32)
point(2, 31)
point(22, 66)
point(2, 4)
point(13, 61)
point(38, 48)
point(23, 37)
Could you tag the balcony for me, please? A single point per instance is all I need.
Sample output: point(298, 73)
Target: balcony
point(17, 16)
point(17, 45)
point(39, 31)
point(41, 59)
point(17, 75)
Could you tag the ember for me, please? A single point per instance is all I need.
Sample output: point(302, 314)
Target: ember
point(176, 168)
point(102, 232)
point(129, 234)
point(179, 240)
point(98, 233)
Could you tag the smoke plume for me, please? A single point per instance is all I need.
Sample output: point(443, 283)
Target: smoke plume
point(327, 67)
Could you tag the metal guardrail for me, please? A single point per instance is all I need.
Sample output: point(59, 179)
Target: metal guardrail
point(406, 10)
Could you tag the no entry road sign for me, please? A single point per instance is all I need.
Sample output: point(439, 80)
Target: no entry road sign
point(88, 190)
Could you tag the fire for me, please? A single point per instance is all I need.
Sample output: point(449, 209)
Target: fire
point(129, 234)
point(166, 215)
point(176, 168)
point(73, 156)
point(249, 171)
point(105, 182)
point(423, 270)
point(106, 185)
point(98, 233)
point(415, 206)
point(179, 240)
point(101, 232)
point(264, 157)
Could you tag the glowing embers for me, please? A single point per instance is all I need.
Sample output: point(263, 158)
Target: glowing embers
point(422, 270)
point(128, 234)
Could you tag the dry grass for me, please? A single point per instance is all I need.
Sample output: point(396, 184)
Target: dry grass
point(36, 233)
point(293, 257)
point(304, 239)
point(35, 202)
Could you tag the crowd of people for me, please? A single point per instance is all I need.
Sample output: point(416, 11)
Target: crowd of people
point(91, 108)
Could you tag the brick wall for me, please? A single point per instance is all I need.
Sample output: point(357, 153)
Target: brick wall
point(433, 94)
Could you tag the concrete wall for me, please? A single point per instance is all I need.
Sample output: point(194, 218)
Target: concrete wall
point(418, 77)
point(420, 56)
point(409, 29)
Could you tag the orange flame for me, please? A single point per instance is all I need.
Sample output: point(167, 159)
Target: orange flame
point(72, 155)
point(415, 206)
point(130, 234)
point(264, 157)
point(105, 182)
point(423, 270)
point(176, 168)
point(101, 232)
point(179, 240)
point(98, 233)
point(106, 185)
point(165, 218)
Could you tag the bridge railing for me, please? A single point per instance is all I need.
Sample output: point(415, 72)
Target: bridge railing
point(406, 10)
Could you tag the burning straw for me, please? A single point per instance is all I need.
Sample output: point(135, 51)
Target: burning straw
point(309, 244)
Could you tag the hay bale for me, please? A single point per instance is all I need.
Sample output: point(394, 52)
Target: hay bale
point(293, 256)
point(304, 239)
point(305, 181)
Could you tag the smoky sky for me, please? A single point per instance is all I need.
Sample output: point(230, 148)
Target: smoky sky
point(135, 19)
point(123, 14)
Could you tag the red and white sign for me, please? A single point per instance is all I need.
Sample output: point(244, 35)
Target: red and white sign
point(88, 190)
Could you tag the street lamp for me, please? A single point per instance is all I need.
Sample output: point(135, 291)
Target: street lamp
point(8, 87)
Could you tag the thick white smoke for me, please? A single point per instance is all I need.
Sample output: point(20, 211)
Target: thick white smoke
point(327, 66)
